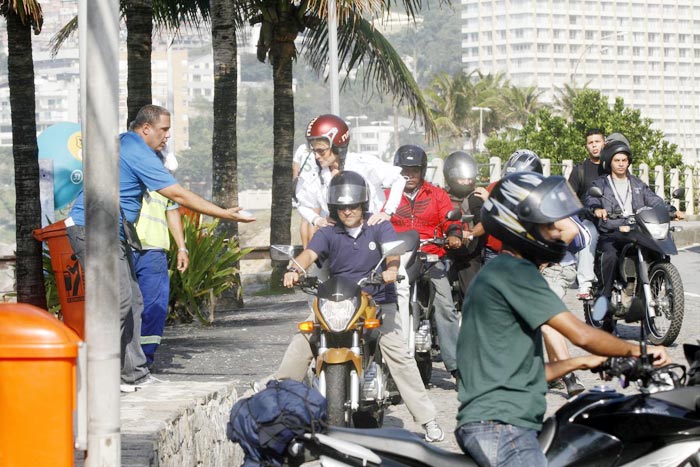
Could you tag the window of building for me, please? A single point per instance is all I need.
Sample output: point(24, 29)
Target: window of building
point(542, 48)
point(572, 19)
point(669, 52)
point(519, 33)
point(590, 35)
point(559, 48)
point(667, 38)
point(637, 79)
point(652, 36)
point(636, 51)
point(574, 33)
point(682, 38)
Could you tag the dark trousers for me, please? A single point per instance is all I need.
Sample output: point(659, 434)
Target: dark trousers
point(608, 251)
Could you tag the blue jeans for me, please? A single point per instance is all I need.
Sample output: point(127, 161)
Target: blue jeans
point(152, 274)
point(492, 443)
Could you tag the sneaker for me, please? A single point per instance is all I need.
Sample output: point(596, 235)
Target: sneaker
point(556, 384)
point(584, 295)
point(125, 388)
point(433, 432)
point(147, 380)
point(573, 385)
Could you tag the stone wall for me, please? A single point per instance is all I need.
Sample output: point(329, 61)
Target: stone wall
point(179, 424)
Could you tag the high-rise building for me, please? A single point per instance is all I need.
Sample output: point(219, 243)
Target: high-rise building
point(645, 51)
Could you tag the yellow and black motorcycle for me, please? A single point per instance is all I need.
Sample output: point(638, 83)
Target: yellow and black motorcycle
point(348, 367)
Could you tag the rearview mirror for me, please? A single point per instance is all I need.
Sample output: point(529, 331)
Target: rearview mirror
point(394, 248)
point(453, 215)
point(281, 252)
point(595, 192)
point(678, 193)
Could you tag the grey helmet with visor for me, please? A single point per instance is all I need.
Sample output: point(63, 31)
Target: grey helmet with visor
point(347, 188)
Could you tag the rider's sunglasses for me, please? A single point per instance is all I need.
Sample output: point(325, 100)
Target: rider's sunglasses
point(349, 207)
point(320, 151)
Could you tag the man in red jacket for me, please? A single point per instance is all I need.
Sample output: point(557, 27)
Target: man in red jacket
point(423, 207)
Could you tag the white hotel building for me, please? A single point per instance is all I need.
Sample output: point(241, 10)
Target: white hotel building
point(645, 51)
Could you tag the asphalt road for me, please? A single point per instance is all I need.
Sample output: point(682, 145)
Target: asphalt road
point(246, 345)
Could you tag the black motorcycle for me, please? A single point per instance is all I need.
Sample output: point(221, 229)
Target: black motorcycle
point(659, 426)
point(422, 335)
point(645, 271)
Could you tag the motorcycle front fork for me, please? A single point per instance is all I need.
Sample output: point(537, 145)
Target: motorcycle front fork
point(643, 275)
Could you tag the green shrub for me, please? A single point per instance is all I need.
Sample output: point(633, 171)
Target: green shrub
point(213, 269)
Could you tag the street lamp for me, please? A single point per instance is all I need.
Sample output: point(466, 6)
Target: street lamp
point(481, 124)
point(357, 119)
point(587, 48)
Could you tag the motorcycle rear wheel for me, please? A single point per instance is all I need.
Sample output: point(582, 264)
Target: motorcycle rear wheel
point(337, 393)
point(425, 367)
point(667, 291)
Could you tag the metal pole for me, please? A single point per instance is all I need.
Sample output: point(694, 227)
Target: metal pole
point(100, 125)
point(333, 57)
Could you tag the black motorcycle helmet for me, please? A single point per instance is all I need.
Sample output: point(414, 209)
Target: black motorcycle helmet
point(611, 148)
point(519, 203)
point(459, 170)
point(347, 188)
point(410, 155)
point(523, 160)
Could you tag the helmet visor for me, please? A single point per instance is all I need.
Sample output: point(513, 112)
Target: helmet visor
point(347, 194)
point(552, 200)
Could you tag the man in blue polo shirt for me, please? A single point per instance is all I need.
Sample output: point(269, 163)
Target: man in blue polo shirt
point(140, 169)
point(352, 249)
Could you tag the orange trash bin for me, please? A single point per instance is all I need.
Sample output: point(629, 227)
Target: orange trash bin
point(69, 275)
point(38, 356)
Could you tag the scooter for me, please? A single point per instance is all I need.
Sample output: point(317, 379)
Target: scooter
point(645, 271)
point(349, 370)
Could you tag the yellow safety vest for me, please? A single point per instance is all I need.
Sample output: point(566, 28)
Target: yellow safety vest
point(152, 225)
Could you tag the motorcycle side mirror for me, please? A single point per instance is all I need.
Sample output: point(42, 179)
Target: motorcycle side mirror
point(453, 215)
point(595, 192)
point(394, 248)
point(678, 193)
point(281, 252)
point(284, 253)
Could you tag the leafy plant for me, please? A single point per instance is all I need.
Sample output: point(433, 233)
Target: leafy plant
point(213, 269)
point(52, 302)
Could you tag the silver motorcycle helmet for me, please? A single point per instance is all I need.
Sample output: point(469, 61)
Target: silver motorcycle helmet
point(523, 160)
point(517, 207)
point(345, 189)
point(460, 170)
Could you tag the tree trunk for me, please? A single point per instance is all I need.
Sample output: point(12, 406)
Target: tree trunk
point(20, 72)
point(281, 56)
point(224, 150)
point(138, 15)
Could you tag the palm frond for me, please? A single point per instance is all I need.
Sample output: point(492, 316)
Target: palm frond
point(63, 34)
point(27, 10)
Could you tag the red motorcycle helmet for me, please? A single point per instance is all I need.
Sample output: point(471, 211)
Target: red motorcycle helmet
point(334, 130)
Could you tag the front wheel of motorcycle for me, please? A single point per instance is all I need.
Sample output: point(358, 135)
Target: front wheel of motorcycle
point(667, 292)
point(337, 393)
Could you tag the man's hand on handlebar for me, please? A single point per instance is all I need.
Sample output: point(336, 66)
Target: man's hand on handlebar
point(661, 356)
point(454, 242)
point(601, 213)
point(290, 279)
point(389, 276)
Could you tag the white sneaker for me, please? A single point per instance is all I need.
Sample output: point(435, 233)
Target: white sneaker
point(127, 388)
point(147, 380)
point(433, 432)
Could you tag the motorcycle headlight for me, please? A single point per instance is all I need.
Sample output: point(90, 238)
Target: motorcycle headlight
point(337, 314)
point(658, 231)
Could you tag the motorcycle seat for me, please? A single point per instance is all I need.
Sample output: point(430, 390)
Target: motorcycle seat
point(399, 443)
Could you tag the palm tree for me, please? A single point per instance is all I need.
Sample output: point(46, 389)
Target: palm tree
point(516, 104)
point(138, 15)
point(226, 17)
point(22, 17)
point(564, 100)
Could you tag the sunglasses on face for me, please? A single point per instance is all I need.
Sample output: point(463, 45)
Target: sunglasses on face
point(349, 207)
point(320, 151)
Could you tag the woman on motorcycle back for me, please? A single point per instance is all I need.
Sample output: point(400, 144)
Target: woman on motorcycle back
point(328, 137)
point(623, 195)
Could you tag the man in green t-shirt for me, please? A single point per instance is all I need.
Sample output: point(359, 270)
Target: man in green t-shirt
point(500, 356)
